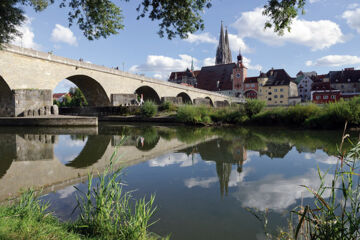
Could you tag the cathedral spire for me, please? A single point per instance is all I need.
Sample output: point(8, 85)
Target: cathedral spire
point(223, 53)
point(192, 64)
point(228, 58)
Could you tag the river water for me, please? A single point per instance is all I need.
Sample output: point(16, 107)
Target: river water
point(208, 182)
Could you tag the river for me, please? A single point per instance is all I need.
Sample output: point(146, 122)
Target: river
point(208, 182)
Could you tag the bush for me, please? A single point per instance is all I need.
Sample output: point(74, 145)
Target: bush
point(149, 109)
point(168, 107)
point(253, 107)
point(194, 114)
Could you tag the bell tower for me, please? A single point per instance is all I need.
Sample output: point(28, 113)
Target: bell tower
point(239, 74)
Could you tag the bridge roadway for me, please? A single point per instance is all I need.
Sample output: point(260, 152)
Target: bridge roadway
point(29, 160)
point(28, 78)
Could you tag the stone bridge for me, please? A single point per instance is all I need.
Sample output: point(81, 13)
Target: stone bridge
point(28, 78)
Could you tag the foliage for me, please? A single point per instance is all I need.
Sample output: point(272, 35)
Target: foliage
point(253, 107)
point(168, 107)
point(27, 219)
point(149, 109)
point(108, 212)
point(75, 98)
point(101, 19)
point(194, 114)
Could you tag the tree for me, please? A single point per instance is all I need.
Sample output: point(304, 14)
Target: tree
point(77, 98)
point(102, 18)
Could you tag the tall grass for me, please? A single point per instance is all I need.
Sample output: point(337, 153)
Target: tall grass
point(149, 109)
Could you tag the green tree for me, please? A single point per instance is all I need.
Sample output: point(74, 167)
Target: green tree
point(77, 98)
point(102, 18)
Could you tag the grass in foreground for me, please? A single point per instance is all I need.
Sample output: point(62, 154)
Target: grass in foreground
point(106, 212)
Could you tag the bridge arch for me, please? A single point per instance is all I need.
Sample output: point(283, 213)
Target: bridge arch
point(7, 104)
point(149, 94)
point(227, 103)
point(211, 101)
point(93, 91)
point(185, 98)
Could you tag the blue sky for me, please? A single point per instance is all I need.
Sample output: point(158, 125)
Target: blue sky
point(325, 38)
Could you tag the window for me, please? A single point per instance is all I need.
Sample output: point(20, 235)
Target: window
point(317, 97)
point(269, 99)
point(275, 90)
point(253, 85)
point(275, 101)
point(275, 96)
point(280, 101)
point(269, 93)
point(281, 96)
point(333, 97)
point(281, 90)
point(326, 97)
point(269, 87)
point(305, 90)
point(300, 90)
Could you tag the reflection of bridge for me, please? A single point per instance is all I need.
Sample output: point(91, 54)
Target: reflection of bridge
point(44, 170)
point(28, 77)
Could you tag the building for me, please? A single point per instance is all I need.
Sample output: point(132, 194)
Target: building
point(347, 81)
point(304, 81)
point(251, 87)
point(278, 88)
point(59, 97)
point(322, 92)
point(187, 77)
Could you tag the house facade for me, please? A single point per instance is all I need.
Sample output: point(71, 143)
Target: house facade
point(347, 81)
point(277, 88)
point(304, 81)
point(322, 92)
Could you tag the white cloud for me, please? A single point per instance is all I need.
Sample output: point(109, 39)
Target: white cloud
point(236, 43)
point(277, 193)
point(66, 192)
point(201, 38)
point(314, 1)
point(247, 63)
point(162, 65)
point(209, 61)
point(353, 18)
point(334, 61)
point(321, 157)
point(181, 159)
point(200, 182)
point(64, 86)
point(63, 34)
point(27, 38)
point(315, 34)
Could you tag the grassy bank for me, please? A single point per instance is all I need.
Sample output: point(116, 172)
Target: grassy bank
point(327, 116)
point(105, 212)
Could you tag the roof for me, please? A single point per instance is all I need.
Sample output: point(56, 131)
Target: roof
point(58, 95)
point(209, 76)
point(179, 75)
point(345, 76)
point(251, 80)
point(320, 86)
point(278, 77)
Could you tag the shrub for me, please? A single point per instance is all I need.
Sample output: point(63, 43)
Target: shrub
point(253, 107)
point(149, 109)
point(194, 114)
point(168, 106)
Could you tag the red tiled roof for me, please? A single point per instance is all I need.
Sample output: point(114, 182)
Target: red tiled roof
point(58, 95)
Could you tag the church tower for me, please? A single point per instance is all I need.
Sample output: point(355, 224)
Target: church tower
point(239, 74)
point(223, 53)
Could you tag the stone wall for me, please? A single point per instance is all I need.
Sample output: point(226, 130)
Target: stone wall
point(202, 101)
point(98, 111)
point(123, 99)
point(174, 100)
point(221, 104)
point(26, 99)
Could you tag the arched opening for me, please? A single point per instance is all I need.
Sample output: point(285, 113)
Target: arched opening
point(93, 150)
point(251, 94)
point(226, 103)
point(7, 103)
point(211, 102)
point(149, 94)
point(7, 152)
point(93, 92)
point(185, 98)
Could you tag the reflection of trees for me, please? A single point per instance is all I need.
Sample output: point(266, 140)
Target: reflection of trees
point(78, 137)
point(148, 139)
point(223, 171)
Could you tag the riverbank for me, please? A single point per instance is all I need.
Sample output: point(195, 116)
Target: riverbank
point(50, 121)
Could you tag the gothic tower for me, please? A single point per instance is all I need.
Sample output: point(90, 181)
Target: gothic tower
point(223, 54)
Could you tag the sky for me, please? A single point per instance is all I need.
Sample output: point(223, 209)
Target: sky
point(326, 38)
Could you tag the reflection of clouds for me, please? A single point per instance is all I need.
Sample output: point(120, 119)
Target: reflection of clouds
point(321, 157)
point(67, 149)
point(234, 179)
point(277, 193)
point(66, 192)
point(175, 158)
point(200, 182)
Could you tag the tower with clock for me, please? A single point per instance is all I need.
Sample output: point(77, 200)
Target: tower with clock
point(239, 74)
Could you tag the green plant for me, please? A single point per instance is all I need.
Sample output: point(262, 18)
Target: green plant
point(168, 107)
point(194, 114)
point(108, 212)
point(253, 107)
point(149, 109)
